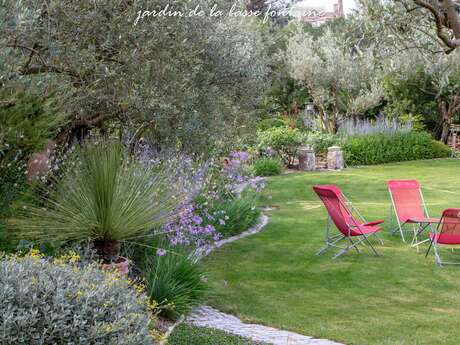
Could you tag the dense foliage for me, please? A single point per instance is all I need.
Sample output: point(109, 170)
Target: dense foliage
point(283, 140)
point(341, 82)
point(59, 303)
point(173, 77)
point(380, 148)
point(26, 122)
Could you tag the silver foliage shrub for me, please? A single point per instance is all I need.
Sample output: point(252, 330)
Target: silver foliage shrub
point(59, 303)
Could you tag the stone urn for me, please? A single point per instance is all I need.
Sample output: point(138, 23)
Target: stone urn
point(307, 159)
point(38, 164)
point(335, 159)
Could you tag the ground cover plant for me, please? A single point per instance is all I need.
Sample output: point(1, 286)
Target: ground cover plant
point(190, 335)
point(274, 277)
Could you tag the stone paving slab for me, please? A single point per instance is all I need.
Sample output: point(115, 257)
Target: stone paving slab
point(205, 316)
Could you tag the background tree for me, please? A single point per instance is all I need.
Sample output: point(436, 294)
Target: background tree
point(420, 79)
point(342, 80)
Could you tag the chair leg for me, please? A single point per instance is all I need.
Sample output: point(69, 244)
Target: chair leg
point(370, 245)
point(429, 248)
point(330, 244)
point(355, 246)
point(437, 256)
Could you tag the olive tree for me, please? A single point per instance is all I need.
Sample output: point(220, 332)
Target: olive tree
point(442, 15)
point(184, 79)
point(408, 48)
point(341, 79)
point(433, 25)
point(443, 74)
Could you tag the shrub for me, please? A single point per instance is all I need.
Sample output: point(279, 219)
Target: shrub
point(267, 166)
point(190, 335)
point(283, 140)
point(440, 150)
point(176, 282)
point(57, 303)
point(270, 123)
point(380, 148)
point(238, 214)
point(320, 142)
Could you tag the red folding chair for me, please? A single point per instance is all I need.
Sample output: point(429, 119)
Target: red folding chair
point(408, 205)
point(352, 226)
point(447, 234)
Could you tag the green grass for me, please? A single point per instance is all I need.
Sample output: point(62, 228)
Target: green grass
point(274, 277)
point(189, 335)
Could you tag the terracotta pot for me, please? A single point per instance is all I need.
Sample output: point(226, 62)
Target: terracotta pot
point(121, 265)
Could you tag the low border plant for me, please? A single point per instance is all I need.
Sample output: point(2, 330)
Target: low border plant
point(57, 302)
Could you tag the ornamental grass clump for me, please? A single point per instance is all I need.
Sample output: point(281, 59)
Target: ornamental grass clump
point(59, 303)
point(176, 282)
point(107, 197)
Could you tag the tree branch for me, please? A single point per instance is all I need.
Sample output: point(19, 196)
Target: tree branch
point(447, 19)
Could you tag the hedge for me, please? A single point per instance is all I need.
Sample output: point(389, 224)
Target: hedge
point(381, 148)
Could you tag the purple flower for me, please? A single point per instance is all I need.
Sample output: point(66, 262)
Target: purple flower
point(197, 220)
point(240, 156)
point(221, 222)
point(258, 183)
point(161, 252)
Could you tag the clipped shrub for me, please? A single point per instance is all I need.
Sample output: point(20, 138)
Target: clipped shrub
point(238, 214)
point(59, 303)
point(283, 140)
point(175, 281)
point(267, 166)
point(441, 150)
point(380, 148)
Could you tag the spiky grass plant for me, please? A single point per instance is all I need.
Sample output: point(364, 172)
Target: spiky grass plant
point(176, 282)
point(106, 197)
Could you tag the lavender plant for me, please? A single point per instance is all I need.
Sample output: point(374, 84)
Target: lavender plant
point(381, 125)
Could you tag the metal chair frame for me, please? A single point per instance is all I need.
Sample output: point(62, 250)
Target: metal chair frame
point(400, 225)
point(434, 245)
point(332, 240)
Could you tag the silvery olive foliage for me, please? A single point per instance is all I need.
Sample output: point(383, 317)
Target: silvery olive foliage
point(46, 303)
point(342, 79)
point(185, 79)
point(435, 24)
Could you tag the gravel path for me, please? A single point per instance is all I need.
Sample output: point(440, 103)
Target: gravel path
point(205, 316)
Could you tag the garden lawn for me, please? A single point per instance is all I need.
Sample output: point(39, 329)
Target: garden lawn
point(274, 277)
